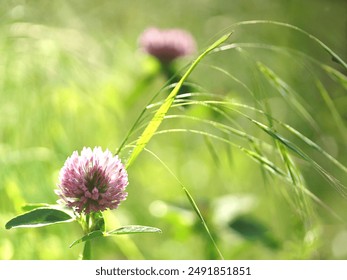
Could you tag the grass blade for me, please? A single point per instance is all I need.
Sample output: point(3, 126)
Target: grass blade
point(197, 211)
point(269, 166)
point(338, 185)
point(160, 114)
point(192, 203)
point(287, 93)
point(287, 25)
point(336, 75)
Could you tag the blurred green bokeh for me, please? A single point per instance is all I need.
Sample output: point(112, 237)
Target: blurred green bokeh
point(71, 75)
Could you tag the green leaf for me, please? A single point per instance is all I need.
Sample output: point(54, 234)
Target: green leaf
point(32, 206)
point(253, 230)
point(87, 237)
point(133, 230)
point(119, 231)
point(39, 217)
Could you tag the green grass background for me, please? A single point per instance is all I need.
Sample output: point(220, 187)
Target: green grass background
point(71, 75)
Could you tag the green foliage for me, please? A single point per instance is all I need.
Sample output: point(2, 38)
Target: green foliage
point(119, 231)
point(250, 163)
point(39, 217)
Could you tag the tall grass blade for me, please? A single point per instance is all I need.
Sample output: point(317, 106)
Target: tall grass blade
point(160, 114)
point(197, 211)
point(192, 203)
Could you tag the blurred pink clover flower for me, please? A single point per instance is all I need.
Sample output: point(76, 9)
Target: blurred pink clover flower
point(167, 44)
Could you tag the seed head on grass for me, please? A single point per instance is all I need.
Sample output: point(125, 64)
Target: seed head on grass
point(167, 44)
point(92, 181)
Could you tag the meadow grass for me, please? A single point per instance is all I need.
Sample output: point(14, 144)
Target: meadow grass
point(249, 164)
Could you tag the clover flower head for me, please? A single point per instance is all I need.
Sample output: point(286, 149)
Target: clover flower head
point(167, 44)
point(92, 181)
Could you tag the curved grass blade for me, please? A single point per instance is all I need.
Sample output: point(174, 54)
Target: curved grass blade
point(305, 139)
point(39, 217)
point(313, 145)
point(338, 185)
point(160, 114)
point(197, 211)
point(336, 75)
point(192, 203)
point(133, 229)
point(269, 166)
point(287, 93)
point(287, 25)
point(292, 130)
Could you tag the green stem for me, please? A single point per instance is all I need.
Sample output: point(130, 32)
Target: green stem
point(87, 223)
point(87, 251)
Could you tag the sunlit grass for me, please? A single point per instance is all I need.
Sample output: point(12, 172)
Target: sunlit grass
point(258, 144)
